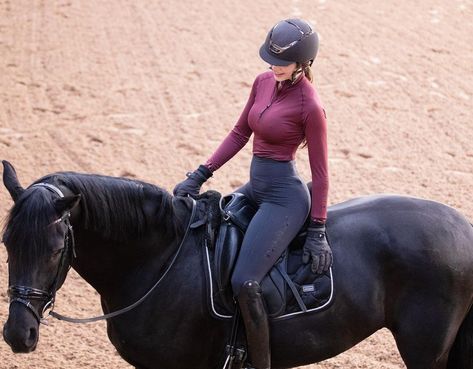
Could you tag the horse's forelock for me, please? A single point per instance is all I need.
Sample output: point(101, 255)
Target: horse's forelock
point(25, 230)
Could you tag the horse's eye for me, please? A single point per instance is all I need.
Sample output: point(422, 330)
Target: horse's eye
point(57, 253)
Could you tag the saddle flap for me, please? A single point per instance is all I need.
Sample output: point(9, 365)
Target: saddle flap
point(237, 212)
point(274, 290)
point(227, 248)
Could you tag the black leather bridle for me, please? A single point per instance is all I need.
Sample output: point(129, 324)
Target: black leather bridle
point(25, 294)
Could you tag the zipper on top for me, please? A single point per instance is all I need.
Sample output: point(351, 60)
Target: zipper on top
point(273, 99)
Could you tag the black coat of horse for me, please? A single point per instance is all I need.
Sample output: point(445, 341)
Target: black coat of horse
point(400, 262)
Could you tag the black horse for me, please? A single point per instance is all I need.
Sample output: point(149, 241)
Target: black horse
point(400, 262)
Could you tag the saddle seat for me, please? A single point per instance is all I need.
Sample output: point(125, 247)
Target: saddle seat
point(289, 288)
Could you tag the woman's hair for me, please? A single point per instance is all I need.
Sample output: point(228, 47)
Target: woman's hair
point(308, 74)
point(307, 71)
point(305, 68)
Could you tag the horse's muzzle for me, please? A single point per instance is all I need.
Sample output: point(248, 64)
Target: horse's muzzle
point(21, 331)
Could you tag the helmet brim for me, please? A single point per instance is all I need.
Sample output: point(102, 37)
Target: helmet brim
point(271, 59)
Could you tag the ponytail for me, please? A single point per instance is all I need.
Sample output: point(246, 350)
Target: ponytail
point(307, 71)
point(303, 68)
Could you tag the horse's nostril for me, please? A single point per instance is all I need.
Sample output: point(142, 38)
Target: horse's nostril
point(33, 335)
point(20, 341)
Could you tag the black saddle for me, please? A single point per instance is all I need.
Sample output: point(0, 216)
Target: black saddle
point(289, 288)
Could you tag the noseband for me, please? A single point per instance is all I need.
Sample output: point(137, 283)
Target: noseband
point(25, 294)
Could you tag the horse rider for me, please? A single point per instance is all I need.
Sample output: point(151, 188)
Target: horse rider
point(283, 112)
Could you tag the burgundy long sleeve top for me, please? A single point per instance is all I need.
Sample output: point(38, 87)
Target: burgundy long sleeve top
point(281, 119)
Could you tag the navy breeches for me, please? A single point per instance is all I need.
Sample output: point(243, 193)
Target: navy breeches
point(283, 203)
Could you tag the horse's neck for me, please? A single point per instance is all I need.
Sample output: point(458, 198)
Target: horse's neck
point(123, 275)
point(110, 266)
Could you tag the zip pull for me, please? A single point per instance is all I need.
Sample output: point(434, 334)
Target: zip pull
point(266, 108)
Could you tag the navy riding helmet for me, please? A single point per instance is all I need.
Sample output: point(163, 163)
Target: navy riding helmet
point(290, 41)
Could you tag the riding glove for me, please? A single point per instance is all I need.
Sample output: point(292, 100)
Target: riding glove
point(194, 181)
point(317, 248)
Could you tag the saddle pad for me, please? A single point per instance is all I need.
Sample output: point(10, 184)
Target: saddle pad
point(316, 291)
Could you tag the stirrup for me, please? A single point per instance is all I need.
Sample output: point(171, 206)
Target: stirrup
point(236, 356)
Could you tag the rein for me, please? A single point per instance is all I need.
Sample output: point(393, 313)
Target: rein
point(138, 302)
point(23, 294)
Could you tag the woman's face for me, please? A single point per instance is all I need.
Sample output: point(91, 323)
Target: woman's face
point(282, 73)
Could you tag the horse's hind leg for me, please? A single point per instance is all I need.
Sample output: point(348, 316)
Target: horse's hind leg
point(424, 332)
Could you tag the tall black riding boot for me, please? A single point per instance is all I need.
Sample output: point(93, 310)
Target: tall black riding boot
point(255, 319)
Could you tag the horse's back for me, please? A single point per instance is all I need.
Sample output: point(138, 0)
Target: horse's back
point(390, 225)
point(389, 203)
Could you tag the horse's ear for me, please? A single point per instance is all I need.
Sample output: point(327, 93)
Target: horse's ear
point(66, 203)
point(10, 180)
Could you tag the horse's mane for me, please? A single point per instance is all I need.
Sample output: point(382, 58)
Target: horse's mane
point(113, 206)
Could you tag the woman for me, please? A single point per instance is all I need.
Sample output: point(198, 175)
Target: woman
point(283, 111)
